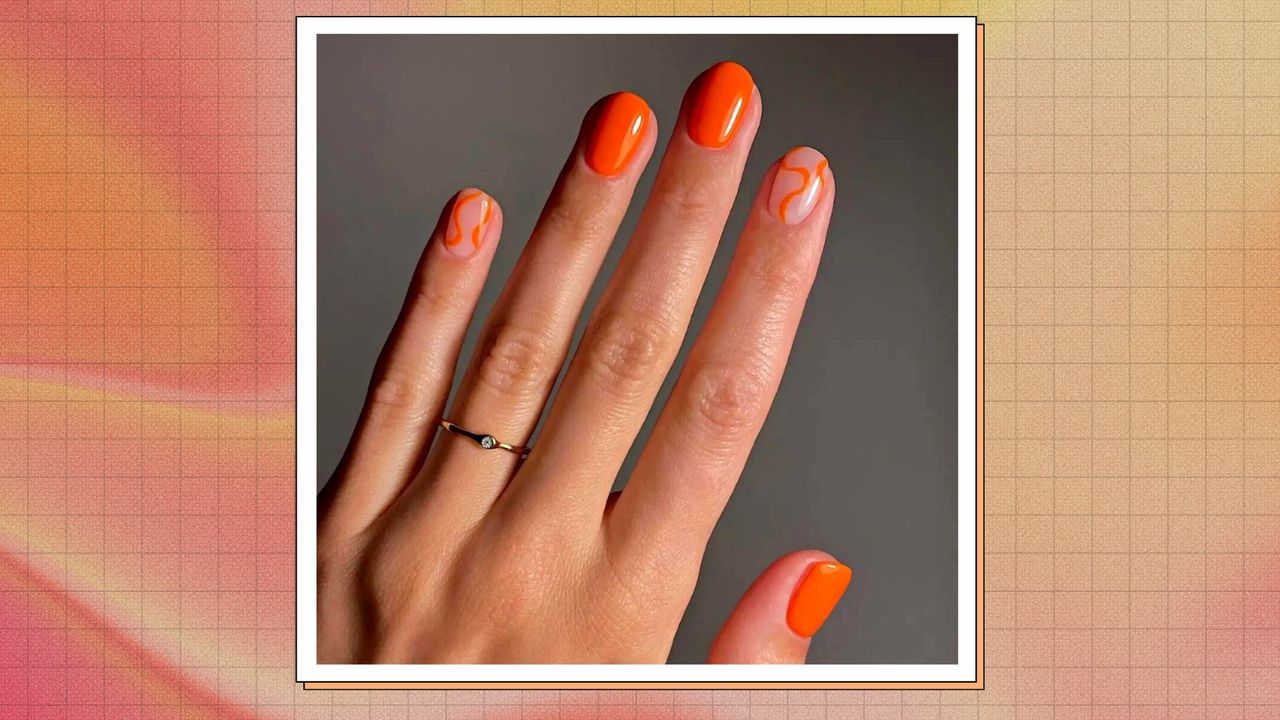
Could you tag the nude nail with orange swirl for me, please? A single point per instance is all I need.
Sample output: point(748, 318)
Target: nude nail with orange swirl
point(802, 177)
point(468, 219)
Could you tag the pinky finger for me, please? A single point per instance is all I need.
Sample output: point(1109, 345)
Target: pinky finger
point(415, 369)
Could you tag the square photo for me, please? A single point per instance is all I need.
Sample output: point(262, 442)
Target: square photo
point(639, 352)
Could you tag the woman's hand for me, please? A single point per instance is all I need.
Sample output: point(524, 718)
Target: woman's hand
point(433, 548)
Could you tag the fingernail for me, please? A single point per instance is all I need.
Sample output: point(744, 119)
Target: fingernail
point(619, 129)
point(799, 182)
point(816, 596)
point(719, 104)
point(468, 219)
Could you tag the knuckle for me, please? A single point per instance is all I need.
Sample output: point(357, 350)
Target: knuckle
point(398, 395)
point(514, 361)
point(691, 203)
point(572, 219)
point(780, 276)
point(727, 399)
point(390, 573)
point(435, 298)
point(627, 349)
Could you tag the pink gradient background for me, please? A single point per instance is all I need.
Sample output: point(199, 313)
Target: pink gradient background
point(146, 377)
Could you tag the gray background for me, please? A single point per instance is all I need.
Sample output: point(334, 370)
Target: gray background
point(858, 456)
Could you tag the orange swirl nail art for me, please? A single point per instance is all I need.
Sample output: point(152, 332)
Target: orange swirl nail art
point(471, 213)
point(802, 176)
point(619, 129)
point(720, 103)
point(816, 596)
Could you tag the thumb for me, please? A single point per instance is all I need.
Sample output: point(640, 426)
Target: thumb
point(782, 609)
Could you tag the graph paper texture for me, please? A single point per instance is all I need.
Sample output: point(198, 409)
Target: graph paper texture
point(1132, 366)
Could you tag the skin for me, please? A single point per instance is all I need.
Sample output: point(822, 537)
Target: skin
point(432, 549)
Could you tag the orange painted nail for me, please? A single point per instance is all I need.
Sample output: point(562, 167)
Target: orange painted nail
point(619, 129)
point(816, 596)
point(719, 104)
point(799, 182)
point(468, 219)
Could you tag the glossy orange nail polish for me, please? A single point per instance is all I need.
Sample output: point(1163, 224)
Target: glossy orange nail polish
point(620, 127)
point(719, 104)
point(816, 596)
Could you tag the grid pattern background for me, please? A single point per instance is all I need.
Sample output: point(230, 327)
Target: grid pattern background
point(1132, 345)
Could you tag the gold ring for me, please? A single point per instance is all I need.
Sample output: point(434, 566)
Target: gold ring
point(488, 442)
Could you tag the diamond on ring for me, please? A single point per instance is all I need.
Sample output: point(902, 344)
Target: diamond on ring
point(488, 442)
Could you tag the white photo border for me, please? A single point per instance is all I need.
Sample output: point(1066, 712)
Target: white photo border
point(965, 670)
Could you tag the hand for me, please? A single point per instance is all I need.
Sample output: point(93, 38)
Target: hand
point(435, 549)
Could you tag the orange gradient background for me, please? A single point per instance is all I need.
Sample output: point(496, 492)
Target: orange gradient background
point(1132, 378)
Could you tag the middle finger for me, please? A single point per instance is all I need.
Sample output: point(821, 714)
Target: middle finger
point(636, 330)
point(527, 334)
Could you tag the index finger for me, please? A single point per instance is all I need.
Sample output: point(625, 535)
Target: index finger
point(702, 438)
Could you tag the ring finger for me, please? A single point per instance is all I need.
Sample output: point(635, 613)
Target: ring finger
point(526, 337)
